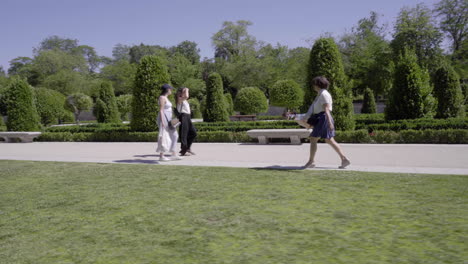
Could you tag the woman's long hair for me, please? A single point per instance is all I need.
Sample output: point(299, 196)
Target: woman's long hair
point(179, 94)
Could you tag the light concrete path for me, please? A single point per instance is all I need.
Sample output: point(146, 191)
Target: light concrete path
point(433, 159)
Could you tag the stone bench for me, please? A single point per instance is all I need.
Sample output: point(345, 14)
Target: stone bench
point(243, 118)
point(294, 134)
point(24, 137)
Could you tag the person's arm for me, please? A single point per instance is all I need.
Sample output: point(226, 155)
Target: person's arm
point(329, 118)
point(185, 94)
point(162, 103)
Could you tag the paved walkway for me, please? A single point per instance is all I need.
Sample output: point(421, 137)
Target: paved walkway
point(433, 159)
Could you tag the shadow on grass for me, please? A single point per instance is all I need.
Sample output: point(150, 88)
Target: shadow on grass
point(137, 161)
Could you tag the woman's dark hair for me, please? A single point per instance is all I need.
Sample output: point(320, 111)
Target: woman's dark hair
point(179, 93)
point(165, 88)
point(321, 82)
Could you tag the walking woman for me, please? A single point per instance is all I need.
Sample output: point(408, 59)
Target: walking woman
point(322, 122)
point(187, 130)
point(167, 139)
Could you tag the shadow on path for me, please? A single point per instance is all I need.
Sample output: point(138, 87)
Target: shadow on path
point(147, 156)
point(140, 161)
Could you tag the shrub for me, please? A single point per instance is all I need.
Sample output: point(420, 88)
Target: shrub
point(229, 103)
point(105, 109)
point(50, 105)
point(405, 99)
point(448, 92)
point(77, 103)
point(197, 88)
point(195, 108)
point(325, 60)
point(66, 117)
point(251, 100)
point(124, 104)
point(21, 107)
point(151, 75)
point(215, 109)
point(368, 105)
point(286, 93)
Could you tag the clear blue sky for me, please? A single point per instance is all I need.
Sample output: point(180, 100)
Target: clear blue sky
point(104, 23)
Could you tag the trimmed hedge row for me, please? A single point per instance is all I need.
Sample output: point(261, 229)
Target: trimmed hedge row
point(417, 124)
point(447, 136)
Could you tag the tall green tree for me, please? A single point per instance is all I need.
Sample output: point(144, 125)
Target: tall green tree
point(415, 29)
point(106, 110)
point(448, 92)
point(136, 53)
point(453, 20)
point(181, 69)
point(21, 107)
point(189, 50)
point(325, 60)
point(215, 109)
point(366, 56)
point(122, 74)
point(121, 52)
point(150, 76)
point(233, 40)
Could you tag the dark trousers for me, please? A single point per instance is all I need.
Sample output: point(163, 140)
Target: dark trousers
point(187, 132)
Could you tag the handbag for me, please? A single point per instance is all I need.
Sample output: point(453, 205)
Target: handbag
point(173, 124)
point(313, 120)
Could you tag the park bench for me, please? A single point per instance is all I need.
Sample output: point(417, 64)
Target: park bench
point(243, 118)
point(24, 137)
point(295, 135)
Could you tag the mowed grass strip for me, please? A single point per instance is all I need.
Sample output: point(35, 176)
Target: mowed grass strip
point(54, 212)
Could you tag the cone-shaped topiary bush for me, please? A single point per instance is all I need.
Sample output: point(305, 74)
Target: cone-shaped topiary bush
point(406, 99)
point(50, 105)
point(106, 110)
point(151, 75)
point(368, 105)
point(325, 60)
point(21, 107)
point(229, 103)
point(449, 94)
point(215, 109)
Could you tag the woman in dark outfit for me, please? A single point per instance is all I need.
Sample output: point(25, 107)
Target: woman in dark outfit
point(324, 126)
point(187, 132)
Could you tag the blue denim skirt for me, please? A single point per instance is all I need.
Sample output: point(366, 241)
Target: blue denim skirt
point(321, 129)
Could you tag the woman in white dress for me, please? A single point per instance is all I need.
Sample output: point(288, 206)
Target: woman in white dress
point(167, 138)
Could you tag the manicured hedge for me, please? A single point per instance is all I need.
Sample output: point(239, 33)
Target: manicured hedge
point(429, 136)
point(417, 124)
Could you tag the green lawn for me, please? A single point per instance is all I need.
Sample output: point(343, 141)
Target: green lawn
point(54, 212)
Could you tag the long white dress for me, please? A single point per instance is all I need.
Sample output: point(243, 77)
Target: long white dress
point(167, 138)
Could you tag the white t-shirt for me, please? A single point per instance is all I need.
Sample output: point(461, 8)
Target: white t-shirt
point(184, 107)
point(324, 97)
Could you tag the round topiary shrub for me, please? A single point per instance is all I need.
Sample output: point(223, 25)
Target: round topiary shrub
point(229, 103)
point(77, 103)
point(286, 93)
point(106, 110)
point(151, 75)
point(368, 104)
point(50, 105)
point(449, 94)
point(124, 104)
point(215, 109)
point(21, 107)
point(325, 60)
point(250, 100)
point(406, 98)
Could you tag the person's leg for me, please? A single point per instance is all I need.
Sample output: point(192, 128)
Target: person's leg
point(313, 150)
point(344, 161)
point(184, 130)
point(192, 134)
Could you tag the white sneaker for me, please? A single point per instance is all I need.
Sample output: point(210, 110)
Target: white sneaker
point(175, 157)
point(164, 159)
